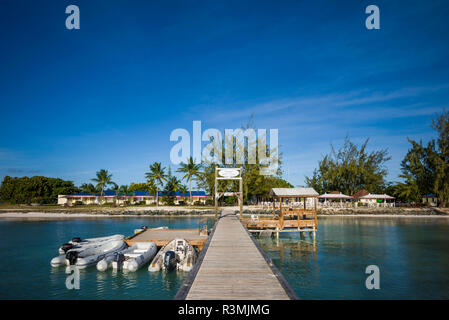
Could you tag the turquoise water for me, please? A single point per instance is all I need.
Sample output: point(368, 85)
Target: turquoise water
point(412, 254)
point(26, 248)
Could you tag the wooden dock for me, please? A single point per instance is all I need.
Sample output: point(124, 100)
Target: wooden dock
point(232, 266)
point(163, 236)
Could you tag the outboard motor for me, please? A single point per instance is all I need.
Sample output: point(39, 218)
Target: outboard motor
point(76, 239)
point(72, 256)
point(170, 260)
point(66, 247)
point(119, 258)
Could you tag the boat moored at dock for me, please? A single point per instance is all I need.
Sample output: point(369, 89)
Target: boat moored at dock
point(134, 257)
point(177, 254)
point(78, 243)
point(87, 256)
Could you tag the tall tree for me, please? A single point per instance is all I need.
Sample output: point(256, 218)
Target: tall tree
point(156, 176)
point(36, 189)
point(173, 183)
point(349, 169)
point(255, 185)
point(441, 158)
point(418, 172)
point(190, 170)
point(103, 179)
point(138, 186)
point(425, 169)
point(88, 187)
point(124, 189)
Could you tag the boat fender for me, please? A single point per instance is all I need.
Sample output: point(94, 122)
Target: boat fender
point(72, 256)
point(76, 239)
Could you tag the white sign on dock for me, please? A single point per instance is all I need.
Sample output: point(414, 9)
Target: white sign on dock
point(228, 172)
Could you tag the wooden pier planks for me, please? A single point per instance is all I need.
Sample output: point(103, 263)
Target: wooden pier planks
point(162, 236)
point(233, 268)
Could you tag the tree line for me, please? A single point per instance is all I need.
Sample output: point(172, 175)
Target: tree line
point(36, 189)
point(424, 169)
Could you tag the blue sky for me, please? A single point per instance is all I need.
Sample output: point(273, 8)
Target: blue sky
point(108, 95)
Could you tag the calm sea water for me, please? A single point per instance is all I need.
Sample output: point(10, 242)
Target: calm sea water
point(412, 254)
point(26, 248)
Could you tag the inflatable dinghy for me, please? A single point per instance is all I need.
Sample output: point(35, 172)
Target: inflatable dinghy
point(87, 256)
point(77, 243)
point(135, 256)
point(177, 254)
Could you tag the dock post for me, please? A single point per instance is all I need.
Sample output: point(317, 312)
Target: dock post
point(241, 197)
point(216, 195)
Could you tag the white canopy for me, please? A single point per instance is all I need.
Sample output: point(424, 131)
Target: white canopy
point(377, 196)
point(334, 196)
point(293, 192)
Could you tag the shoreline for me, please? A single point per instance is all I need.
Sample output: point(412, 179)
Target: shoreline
point(165, 211)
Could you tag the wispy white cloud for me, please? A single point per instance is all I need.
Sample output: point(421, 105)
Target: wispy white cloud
point(330, 106)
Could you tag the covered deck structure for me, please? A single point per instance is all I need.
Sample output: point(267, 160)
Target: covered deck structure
point(294, 210)
point(377, 200)
point(334, 199)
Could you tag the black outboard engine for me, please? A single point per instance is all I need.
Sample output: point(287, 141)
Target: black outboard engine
point(76, 239)
point(66, 247)
point(170, 260)
point(72, 256)
point(119, 258)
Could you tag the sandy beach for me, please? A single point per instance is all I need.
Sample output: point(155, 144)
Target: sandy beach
point(58, 213)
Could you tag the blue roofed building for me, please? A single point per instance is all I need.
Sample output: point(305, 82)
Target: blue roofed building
point(133, 198)
point(430, 199)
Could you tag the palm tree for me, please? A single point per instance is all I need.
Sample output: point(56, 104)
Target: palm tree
point(124, 189)
point(88, 187)
point(173, 184)
point(190, 170)
point(103, 179)
point(151, 187)
point(116, 188)
point(183, 189)
point(156, 176)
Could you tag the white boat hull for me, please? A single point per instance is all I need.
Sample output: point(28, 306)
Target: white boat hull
point(185, 253)
point(92, 241)
point(90, 255)
point(136, 256)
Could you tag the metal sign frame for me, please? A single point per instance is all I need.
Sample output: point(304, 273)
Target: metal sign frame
point(239, 194)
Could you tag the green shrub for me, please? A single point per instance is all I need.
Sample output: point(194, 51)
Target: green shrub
point(170, 201)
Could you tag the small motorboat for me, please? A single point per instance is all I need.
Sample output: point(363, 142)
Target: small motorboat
point(177, 254)
point(106, 262)
point(87, 256)
point(135, 256)
point(77, 243)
